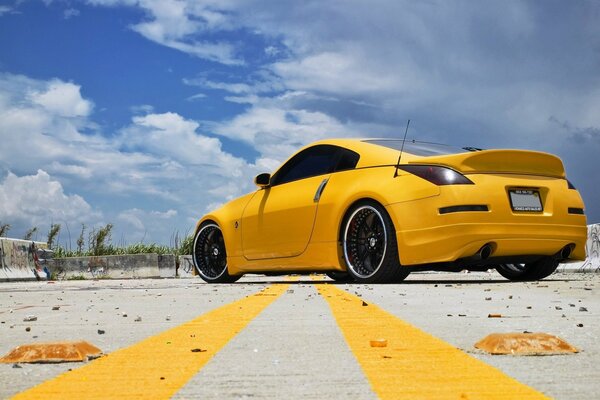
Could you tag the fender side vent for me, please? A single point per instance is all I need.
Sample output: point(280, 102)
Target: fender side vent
point(465, 208)
point(574, 210)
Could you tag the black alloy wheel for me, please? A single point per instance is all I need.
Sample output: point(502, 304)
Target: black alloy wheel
point(370, 247)
point(210, 256)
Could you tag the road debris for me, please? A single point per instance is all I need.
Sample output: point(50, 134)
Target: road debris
point(198, 350)
point(524, 344)
point(494, 315)
point(378, 343)
point(30, 318)
point(52, 353)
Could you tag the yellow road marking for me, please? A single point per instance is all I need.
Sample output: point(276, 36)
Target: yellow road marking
point(158, 366)
point(414, 364)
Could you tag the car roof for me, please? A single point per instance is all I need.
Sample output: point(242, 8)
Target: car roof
point(372, 151)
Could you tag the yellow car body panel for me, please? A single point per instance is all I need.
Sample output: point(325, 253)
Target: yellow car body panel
point(285, 228)
point(278, 221)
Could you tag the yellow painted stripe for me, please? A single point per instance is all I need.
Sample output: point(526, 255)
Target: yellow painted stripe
point(157, 367)
point(415, 365)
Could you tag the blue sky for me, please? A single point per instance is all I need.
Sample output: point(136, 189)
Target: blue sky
point(148, 113)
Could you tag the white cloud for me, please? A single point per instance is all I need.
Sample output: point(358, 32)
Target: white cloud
point(166, 214)
point(251, 99)
point(276, 133)
point(70, 13)
point(39, 200)
point(142, 225)
point(262, 83)
point(237, 88)
point(63, 99)
point(272, 51)
point(133, 218)
point(81, 172)
point(4, 10)
point(196, 97)
point(179, 24)
point(170, 135)
point(347, 73)
point(142, 109)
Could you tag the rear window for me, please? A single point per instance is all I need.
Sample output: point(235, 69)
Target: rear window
point(422, 149)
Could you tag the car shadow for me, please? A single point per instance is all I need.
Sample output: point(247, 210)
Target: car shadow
point(465, 282)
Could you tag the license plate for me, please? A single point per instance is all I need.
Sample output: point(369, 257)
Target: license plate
point(525, 200)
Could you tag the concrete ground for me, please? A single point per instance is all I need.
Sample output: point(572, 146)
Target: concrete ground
point(294, 348)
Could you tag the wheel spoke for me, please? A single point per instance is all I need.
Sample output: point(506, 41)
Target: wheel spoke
point(363, 257)
point(374, 259)
point(374, 222)
point(357, 240)
point(364, 229)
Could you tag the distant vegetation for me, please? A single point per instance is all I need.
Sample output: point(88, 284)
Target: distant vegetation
point(99, 243)
point(4, 228)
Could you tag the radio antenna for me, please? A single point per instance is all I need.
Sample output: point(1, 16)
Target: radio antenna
point(401, 149)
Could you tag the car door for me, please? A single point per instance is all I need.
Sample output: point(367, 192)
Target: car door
point(279, 219)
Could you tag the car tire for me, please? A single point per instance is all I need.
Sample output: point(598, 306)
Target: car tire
point(340, 276)
point(209, 255)
point(529, 272)
point(369, 244)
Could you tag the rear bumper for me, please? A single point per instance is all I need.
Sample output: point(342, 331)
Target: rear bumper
point(427, 235)
point(452, 242)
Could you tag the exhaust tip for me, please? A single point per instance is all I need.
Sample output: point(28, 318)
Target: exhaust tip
point(566, 251)
point(485, 252)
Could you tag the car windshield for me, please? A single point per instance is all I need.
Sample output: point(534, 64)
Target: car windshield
point(422, 149)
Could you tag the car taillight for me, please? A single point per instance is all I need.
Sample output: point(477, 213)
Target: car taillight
point(437, 175)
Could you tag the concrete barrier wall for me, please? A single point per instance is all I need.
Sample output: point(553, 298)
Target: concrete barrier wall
point(19, 260)
point(113, 267)
point(592, 263)
point(131, 266)
point(167, 267)
point(186, 267)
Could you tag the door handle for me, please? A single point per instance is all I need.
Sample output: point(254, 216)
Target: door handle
point(320, 190)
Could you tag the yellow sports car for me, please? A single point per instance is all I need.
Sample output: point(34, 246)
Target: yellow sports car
point(374, 210)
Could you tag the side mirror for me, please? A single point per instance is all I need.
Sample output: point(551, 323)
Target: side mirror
point(262, 180)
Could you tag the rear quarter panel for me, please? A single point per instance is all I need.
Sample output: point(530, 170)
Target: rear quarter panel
point(377, 183)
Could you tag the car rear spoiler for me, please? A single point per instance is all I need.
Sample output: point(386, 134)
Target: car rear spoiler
point(500, 161)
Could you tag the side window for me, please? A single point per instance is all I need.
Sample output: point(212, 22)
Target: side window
point(317, 160)
point(347, 159)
